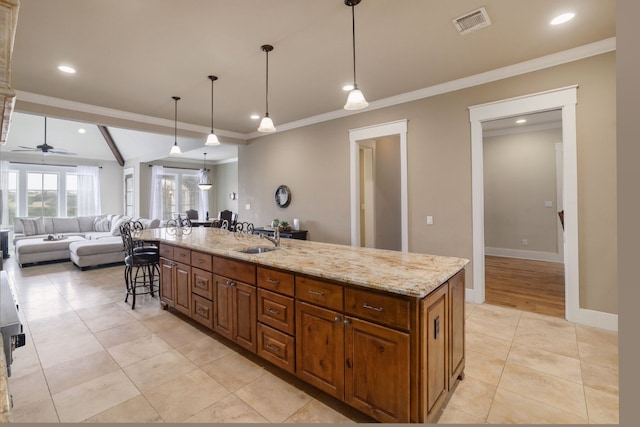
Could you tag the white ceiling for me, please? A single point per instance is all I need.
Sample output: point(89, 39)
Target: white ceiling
point(132, 56)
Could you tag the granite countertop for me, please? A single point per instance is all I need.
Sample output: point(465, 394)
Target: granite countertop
point(5, 414)
point(411, 274)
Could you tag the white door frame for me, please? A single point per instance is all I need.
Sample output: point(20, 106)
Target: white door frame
point(564, 99)
point(372, 132)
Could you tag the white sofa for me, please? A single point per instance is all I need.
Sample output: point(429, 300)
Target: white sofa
point(87, 240)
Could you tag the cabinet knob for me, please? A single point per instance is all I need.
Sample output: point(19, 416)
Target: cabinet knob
point(337, 319)
point(347, 322)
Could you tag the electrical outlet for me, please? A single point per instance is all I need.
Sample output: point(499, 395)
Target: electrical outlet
point(429, 220)
point(524, 242)
point(247, 206)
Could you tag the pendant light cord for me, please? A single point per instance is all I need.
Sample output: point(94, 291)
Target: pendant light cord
point(211, 77)
point(175, 120)
point(353, 38)
point(266, 96)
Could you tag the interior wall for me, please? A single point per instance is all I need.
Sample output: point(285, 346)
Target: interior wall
point(225, 182)
point(519, 177)
point(387, 171)
point(314, 162)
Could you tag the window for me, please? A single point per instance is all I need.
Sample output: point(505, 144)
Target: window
point(42, 194)
point(128, 194)
point(72, 194)
point(12, 196)
point(180, 192)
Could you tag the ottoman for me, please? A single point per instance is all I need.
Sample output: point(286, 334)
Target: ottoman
point(91, 253)
point(33, 251)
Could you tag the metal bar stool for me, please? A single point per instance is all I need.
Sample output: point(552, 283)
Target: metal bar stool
point(145, 279)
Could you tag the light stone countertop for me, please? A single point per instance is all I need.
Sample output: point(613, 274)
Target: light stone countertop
point(411, 274)
point(5, 410)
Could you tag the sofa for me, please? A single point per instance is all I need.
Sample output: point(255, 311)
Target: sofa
point(88, 241)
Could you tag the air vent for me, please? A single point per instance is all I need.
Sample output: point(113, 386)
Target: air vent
point(472, 21)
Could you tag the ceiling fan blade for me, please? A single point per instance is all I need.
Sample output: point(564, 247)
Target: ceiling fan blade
point(60, 151)
point(27, 148)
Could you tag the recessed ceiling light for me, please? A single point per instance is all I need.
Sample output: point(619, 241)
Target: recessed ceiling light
point(66, 69)
point(255, 117)
point(347, 88)
point(521, 121)
point(82, 130)
point(561, 19)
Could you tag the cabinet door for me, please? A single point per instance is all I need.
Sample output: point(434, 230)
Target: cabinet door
point(320, 348)
point(377, 377)
point(244, 315)
point(166, 282)
point(436, 351)
point(183, 288)
point(456, 327)
point(223, 306)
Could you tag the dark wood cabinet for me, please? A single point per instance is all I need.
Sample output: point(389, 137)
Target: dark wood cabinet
point(175, 285)
point(166, 282)
point(456, 327)
point(435, 349)
point(320, 348)
point(377, 377)
point(235, 311)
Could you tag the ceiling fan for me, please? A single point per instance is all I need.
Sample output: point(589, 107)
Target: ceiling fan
point(45, 148)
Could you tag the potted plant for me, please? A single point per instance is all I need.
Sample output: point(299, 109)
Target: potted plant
point(284, 226)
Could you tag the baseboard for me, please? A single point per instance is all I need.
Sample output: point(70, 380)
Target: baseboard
point(518, 253)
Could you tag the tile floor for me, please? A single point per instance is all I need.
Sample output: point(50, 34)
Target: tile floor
point(90, 358)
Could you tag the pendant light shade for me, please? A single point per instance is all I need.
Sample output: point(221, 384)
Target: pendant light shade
point(175, 150)
point(212, 139)
point(355, 100)
point(205, 182)
point(266, 124)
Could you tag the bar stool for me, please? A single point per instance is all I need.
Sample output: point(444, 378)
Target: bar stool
point(145, 279)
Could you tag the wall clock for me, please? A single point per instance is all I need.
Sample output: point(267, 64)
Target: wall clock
point(283, 196)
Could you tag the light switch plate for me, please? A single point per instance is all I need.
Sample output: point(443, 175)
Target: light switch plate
point(429, 220)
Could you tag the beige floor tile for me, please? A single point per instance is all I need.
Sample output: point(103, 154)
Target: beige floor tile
point(548, 323)
point(482, 367)
point(231, 409)
point(474, 396)
point(512, 408)
point(273, 398)
point(469, 307)
point(42, 411)
point(317, 412)
point(135, 410)
point(61, 325)
point(181, 335)
point(600, 377)
point(51, 307)
point(599, 354)
point(100, 318)
point(496, 313)
point(564, 344)
point(28, 389)
point(185, 396)
point(80, 370)
point(452, 414)
point(603, 407)
point(481, 324)
point(52, 353)
point(204, 350)
point(121, 334)
point(164, 320)
point(158, 369)
point(143, 348)
point(596, 336)
point(485, 344)
point(553, 391)
point(93, 397)
point(25, 358)
point(145, 307)
point(547, 362)
point(233, 371)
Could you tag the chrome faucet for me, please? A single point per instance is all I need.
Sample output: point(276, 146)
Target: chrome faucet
point(275, 239)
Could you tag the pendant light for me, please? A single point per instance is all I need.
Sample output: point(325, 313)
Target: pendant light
point(205, 182)
point(212, 139)
point(175, 150)
point(266, 125)
point(355, 100)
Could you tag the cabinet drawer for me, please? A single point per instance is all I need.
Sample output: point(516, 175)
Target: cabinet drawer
point(276, 347)
point(202, 310)
point(202, 283)
point(233, 269)
point(182, 255)
point(201, 260)
point(275, 280)
point(276, 311)
point(319, 292)
point(382, 308)
point(166, 251)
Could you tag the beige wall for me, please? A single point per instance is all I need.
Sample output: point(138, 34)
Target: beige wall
point(314, 162)
point(387, 173)
point(519, 176)
point(225, 181)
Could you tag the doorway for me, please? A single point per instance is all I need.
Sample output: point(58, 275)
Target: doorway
point(565, 100)
point(524, 264)
point(379, 207)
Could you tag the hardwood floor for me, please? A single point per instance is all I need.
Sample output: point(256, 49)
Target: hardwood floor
point(536, 286)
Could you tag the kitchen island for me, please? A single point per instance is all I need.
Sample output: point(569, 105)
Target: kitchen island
point(380, 330)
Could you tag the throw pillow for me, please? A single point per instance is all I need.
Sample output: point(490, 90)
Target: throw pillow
point(102, 224)
point(115, 226)
point(32, 226)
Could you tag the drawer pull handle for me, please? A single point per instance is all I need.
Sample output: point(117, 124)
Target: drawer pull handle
point(200, 284)
point(230, 283)
point(273, 348)
point(200, 261)
point(201, 311)
point(370, 307)
point(272, 311)
point(273, 281)
point(316, 293)
point(436, 327)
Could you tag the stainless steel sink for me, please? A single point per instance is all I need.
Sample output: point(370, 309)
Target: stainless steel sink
point(257, 249)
